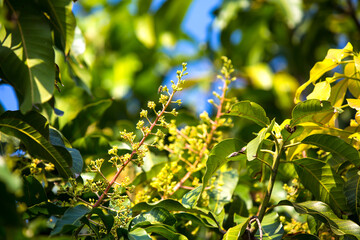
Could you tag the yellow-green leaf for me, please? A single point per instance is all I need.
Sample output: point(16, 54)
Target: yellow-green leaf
point(322, 67)
point(357, 63)
point(339, 54)
point(145, 31)
point(312, 110)
point(354, 103)
point(332, 60)
point(338, 93)
point(235, 232)
point(354, 85)
point(316, 72)
point(285, 86)
point(251, 111)
point(321, 91)
point(261, 76)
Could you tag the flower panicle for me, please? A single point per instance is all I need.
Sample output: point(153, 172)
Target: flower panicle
point(148, 125)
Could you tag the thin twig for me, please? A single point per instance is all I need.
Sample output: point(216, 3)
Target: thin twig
point(292, 145)
point(278, 151)
point(82, 200)
point(264, 162)
point(248, 228)
point(192, 188)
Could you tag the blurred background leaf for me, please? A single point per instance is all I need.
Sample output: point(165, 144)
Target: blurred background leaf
point(123, 50)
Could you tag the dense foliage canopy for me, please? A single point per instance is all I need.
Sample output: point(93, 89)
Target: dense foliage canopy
point(105, 145)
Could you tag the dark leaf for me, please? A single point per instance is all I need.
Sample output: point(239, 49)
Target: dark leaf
point(322, 181)
point(155, 215)
point(29, 65)
point(33, 130)
point(70, 220)
point(34, 192)
point(338, 147)
point(323, 213)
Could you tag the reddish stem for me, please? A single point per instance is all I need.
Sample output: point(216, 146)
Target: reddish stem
point(98, 202)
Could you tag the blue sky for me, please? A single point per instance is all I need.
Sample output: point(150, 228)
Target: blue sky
point(196, 24)
point(8, 98)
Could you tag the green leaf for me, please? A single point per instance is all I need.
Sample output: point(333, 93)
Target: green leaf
point(30, 64)
point(94, 228)
point(313, 224)
point(155, 215)
point(338, 147)
point(33, 130)
point(139, 234)
point(77, 161)
point(43, 208)
point(287, 136)
point(235, 232)
point(34, 192)
point(218, 156)
point(72, 155)
point(87, 116)
point(251, 111)
point(165, 232)
point(70, 220)
point(257, 167)
point(80, 75)
point(322, 181)
point(62, 20)
point(190, 199)
point(253, 146)
point(121, 233)
point(237, 207)
point(309, 111)
point(107, 219)
point(222, 190)
point(185, 217)
point(323, 213)
point(271, 226)
point(352, 190)
point(168, 204)
point(173, 205)
point(218, 219)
